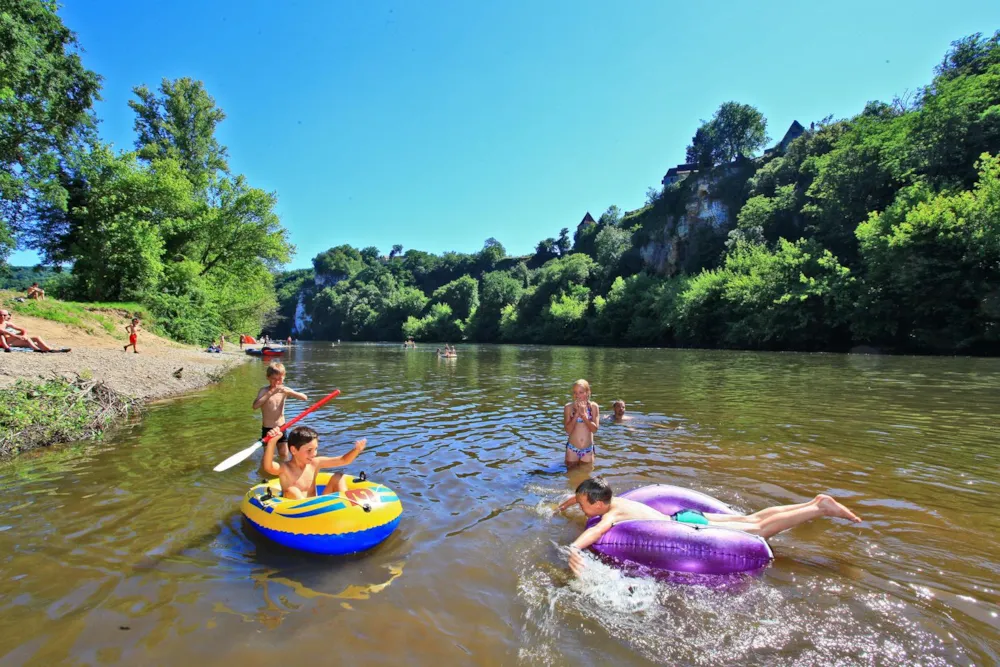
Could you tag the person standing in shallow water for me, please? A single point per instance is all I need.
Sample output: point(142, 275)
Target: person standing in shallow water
point(581, 419)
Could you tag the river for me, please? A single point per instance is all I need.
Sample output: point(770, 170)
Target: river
point(131, 551)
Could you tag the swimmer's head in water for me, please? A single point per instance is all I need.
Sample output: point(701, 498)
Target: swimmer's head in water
point(581, 390)
point(594, 496)
point(303, 443)
point(619, 408)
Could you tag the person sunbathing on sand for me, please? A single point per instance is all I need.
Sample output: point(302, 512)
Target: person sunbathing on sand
point(15, 336)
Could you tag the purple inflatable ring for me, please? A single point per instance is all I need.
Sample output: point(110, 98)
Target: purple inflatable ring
point(672, 546)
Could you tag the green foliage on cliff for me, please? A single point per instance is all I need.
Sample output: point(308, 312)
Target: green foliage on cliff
point(882, 230)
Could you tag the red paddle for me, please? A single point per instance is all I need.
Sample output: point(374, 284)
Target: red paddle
point(243, 455)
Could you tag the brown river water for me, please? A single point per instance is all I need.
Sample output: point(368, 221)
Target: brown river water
point(132, 551)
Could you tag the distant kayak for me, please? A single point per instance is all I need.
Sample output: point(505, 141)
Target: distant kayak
point(266, 352)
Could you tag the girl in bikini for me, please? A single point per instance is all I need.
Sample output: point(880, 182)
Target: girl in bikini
point(581, 419)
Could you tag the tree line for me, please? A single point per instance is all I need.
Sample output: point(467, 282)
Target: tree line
point(166, 224)
point(879, 230)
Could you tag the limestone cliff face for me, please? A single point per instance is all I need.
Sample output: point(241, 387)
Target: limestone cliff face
point(677, 239)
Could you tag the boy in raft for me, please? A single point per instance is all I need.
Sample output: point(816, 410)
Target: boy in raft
point(298, 474)
point(133, 335)
point(581, 419)
point(595, 499)
point(271, 403)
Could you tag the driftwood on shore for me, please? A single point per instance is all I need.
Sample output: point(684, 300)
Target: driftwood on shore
point(59, 410)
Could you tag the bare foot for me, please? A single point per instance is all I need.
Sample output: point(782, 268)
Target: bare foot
point(832, 508)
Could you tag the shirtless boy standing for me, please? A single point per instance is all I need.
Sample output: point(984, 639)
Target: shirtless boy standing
point(271, 403)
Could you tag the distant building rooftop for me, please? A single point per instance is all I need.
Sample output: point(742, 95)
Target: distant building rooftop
point(795, 131)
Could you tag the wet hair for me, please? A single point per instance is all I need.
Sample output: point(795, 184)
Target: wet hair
point(584, 384)
point(300, 436)
point(275, 368)
point(617, 403)
point(596, 490)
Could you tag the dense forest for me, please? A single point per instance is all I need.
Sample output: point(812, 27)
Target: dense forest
point(881, 230)
point(166, 224)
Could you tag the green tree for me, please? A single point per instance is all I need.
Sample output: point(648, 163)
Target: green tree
point(396, 249)
point(703, 149)
point(545, 250)
point(932, 265)
point(461, 295)
point(180, 124)
point(736, 130)
point(113, 233)
point(371, 255)
point(970, 56)
point(610, 245)
point(611, 217)
point(492, 254)
point(438, 325)
point(242, 229)
point(795, 297)
point(563, 243)
point(498, 290)
point(46, 95)
point(338, 263)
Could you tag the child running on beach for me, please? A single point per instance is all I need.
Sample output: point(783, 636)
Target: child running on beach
point(594, 496)
point(271, 403)
point(581, 419)
point(133, 335)
point(298, 474)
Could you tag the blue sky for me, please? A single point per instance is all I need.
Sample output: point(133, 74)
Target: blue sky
point(440, 124)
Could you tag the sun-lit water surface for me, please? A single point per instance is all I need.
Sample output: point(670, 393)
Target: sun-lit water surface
point(132, 551)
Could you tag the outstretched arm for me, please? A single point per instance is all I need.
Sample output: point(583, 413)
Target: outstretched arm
point(344, 459)
point(566, 504)
point(587, 538)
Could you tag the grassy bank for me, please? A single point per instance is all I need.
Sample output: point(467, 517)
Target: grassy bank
point(58, 410)
point(90, 317)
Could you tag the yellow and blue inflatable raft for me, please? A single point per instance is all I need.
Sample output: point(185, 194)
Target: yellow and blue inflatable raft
point(340, 523)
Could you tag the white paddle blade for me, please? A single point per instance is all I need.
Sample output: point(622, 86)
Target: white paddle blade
point(238, 457)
